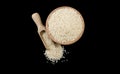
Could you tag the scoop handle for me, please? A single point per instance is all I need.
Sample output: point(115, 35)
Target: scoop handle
point(38, 22)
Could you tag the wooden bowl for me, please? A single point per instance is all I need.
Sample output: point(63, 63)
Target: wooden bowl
point(65, 25)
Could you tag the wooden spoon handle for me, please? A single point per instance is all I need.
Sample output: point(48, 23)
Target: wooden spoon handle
point(37, 20)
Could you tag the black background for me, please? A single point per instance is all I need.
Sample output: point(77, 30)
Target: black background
point(27, 48)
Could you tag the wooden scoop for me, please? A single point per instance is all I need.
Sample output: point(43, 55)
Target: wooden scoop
point(41, 29)
point(42, 33)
